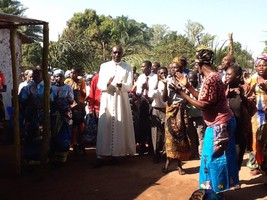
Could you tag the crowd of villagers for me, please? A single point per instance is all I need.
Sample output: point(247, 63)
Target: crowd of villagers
point(232, 103)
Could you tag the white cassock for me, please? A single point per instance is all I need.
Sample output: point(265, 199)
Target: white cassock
point(115, 135)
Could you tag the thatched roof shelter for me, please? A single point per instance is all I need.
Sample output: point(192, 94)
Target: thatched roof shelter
point(12, 22)
point(8, 21)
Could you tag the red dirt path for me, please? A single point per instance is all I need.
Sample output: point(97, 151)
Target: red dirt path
point(135, 177)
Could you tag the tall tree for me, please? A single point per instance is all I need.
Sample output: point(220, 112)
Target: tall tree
point(194, 31)
point(32, 31)
point(12, 7)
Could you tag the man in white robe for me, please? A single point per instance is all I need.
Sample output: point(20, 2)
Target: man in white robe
point(115, 135)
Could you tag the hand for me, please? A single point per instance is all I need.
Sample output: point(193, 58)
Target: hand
point(175, 88)
point(145, 86)
point(32, 89)
point(163, 79)
point(241, 90)
point(263, 86)
point(110, 80)
point(182, 80)
point(119, 85)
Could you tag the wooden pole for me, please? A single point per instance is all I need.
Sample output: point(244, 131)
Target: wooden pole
point(13, 32)
point(46, 125)
point(230, 36)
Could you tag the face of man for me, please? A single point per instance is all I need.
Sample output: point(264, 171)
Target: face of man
point(155, 67)
point(37, 75)
point(145, 69)
point(226, 62)
point(116, 54)
point(59, 79)
point(192, 78)
point(162, 73)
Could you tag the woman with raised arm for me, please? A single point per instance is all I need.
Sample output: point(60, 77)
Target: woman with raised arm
point(218, 168)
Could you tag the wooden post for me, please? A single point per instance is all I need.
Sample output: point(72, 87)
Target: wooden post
point(230, 36)
point(46, 78)
point(13, 32)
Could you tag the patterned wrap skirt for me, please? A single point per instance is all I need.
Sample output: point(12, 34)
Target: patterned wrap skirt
point(176, 139)
point(258, 157)
point(218, 166)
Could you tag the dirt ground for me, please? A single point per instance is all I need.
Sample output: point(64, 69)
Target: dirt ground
point(135, 177)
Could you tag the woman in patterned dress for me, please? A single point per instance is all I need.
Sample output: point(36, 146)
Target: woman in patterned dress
point(176, 121)
point(61, 99)
point(258, 93)
point(218, 168)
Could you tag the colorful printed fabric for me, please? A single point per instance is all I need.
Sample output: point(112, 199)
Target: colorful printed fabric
point(259, 130)
point(212, 93)
point(218, 171)
point(176, 123)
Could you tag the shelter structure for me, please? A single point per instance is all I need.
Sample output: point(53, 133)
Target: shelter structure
point(10, 58)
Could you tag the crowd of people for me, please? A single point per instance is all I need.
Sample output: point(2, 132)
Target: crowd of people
point(211, 113)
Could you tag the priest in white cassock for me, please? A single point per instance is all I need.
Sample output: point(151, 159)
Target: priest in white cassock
point(115, 135)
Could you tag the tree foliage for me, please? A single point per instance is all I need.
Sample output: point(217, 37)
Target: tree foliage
point(87, 40)
point(31, 54)
point(12, 7)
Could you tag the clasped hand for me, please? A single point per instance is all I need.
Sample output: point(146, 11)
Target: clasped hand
point(181, 79)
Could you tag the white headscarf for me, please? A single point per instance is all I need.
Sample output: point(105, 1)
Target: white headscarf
point(59, 71)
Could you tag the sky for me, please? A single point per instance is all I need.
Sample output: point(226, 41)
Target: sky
point(244, 18)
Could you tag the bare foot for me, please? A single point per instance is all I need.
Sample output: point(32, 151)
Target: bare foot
point(164, 170)
point(180, 170)
point(237, 187)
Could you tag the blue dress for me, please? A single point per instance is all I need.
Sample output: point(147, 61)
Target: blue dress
point(32, 110)
point(218, 170)
point(61, 97)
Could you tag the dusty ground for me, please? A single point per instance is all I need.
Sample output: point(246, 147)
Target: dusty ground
point(134, 178)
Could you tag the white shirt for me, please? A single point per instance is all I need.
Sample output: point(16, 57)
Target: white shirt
point(157, 99)
point(151, 84)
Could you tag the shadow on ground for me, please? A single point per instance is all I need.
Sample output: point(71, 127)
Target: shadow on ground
point(78, 179)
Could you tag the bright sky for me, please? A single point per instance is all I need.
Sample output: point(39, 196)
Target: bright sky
point(244, 18)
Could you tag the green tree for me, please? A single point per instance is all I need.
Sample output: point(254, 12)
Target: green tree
point(32, 54)
point(243, 57)
point(195, 34)
point(88, 38)
point(12, 7)
point(32, 31)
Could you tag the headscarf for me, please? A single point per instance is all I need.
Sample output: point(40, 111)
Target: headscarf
point(204, 55)
point(59, 71)
point(260, 58)
point(67, 74)
point(27, 72)
point(89, 76)
point(181, 61)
